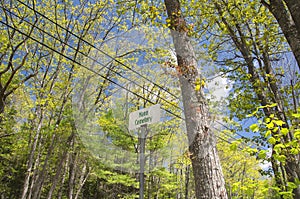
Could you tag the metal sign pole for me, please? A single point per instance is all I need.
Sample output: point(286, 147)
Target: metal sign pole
point(142, 159)
point(140, 119)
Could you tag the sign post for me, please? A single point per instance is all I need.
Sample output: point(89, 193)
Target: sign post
point(142, 159)
point(142, 118)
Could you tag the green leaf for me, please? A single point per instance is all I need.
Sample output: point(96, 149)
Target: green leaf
point(278, 147)
point(294, 151)
point(254, 128)
point(262, 154)
point(270, 125)
point(275, 129)
point(268, 133)
point(235, 186)
point(285, 193)
point(233, 146)
point(297, 115)
point(291, 185)
point(272, 140)
point(284, 131)
point(280, 158)
point(297, 134)
point(279, 122)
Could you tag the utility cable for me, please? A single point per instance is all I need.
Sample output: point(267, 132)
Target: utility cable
point(229, 128)
point(95, 47)
point(95, 72)
point(87, 68)
point(129, 68)
point(93, 59)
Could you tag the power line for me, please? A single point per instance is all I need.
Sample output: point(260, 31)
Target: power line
point(87, 68)
point(95, 47)
point(228, 128)
point(162, 88)
point(95, 72)
point(95, 60)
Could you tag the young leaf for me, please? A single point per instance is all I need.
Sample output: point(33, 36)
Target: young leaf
point(254, 128)
point(284, 131)
point(272, 140)
point(279, 122)
point(262, 154)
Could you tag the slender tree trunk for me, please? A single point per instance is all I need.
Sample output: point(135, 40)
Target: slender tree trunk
point(57, 175)
point(43, 173)
point(35, 173)
point(187, 181)
point(84, 175)
point(61, 189)
point(60, 166)
point(30, 162)
point(72, 172)
point(1, 104)
point(209, 180)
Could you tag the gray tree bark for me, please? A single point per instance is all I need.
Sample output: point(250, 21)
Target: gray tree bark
point(287, 13)
point(209, 180)
point(294, 8)
point(30, 161)
point(289, 20)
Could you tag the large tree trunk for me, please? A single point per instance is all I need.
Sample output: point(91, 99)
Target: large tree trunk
point(289, 21)
point(294, 8)
point(264, 70)
point(209, 180)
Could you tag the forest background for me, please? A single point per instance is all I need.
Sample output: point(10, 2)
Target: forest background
point(72, 71)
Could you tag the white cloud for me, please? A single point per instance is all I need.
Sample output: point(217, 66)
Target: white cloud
point(265, 165)
point(219, 88)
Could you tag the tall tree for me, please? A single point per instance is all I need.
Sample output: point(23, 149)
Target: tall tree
point(15, 54)
point(255, 48)
point(209, 181)
point(287, 13)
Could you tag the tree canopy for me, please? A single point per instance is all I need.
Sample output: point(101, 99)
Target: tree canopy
point(225, 72)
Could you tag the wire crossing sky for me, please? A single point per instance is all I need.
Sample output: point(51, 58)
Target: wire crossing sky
point(98, 49)
point(97, 61)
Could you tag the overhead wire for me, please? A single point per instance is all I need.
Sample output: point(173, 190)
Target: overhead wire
point(87, 68)
point(103, 52)
point(95, 60)
point(229, 128)
point(95, 72)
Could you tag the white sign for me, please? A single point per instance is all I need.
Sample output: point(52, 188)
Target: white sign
point(144, 116)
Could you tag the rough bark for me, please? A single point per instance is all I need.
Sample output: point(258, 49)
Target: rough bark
point(72, 172)
point(289, 23)
point(294, 8)
point(209, 180)
point(237, 35)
